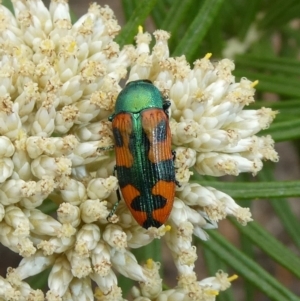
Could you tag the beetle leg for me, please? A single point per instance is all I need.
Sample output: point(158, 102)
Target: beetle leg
point(174, 155)
point(166, 106)
point(114, 208)
point(106, 148)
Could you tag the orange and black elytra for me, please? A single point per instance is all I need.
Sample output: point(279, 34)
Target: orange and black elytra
point(144, 157)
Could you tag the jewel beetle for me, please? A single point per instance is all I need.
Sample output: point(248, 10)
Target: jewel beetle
point(144, 158)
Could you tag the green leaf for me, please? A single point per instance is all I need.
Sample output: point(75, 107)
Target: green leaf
point(128, 8)
point(247, 248)
point(48, 206)
point(152, 250)
point(198, 29)
point(271, 246)
point(215, 38)
point(255, 190)
point(274, 11)
point(248, 18)
point(214, 264)
point(176, 15)
point(272, 83)
point(284, 106)
point(158, 13)
point(248, 268)
point(283, 66)
point(40, 280)
point(289, 220)
point(288, 109)
point(283, 131)
point(8, 4)
point(292, 12)
point(137, 18)
point(125, 283)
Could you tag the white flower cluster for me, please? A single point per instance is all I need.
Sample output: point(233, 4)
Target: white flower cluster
point(58, 85)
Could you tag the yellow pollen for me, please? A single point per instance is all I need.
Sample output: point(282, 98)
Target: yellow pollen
point(98, 293)
point(17, 51)
point(149, 263)
point(72, 46)
point(212, 292)
point(208, 55)
point(168, 228)
point(140, 29)
point(255, 83)
point(21, 134)
point(232, 278)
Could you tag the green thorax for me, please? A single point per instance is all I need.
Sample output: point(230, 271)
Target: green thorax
point(137, 96)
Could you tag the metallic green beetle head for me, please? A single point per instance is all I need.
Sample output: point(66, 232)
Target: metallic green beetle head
point(137, 96)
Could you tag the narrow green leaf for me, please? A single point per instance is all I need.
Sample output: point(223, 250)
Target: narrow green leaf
point(48, 206)
point(289, 220)
point(248, 18)
point(213, 264)
point(271, 83)
point(152, 250)
point(278, 65)
point(283, 210)
point(8, 4)
point(284, 106)
point(272, 78)
point(158, 13)
point(248, 249)
point(125, 283)
point(288, 61)
point(215, 38)
point(128, 8)
point(176, 15)
point(290, 13)
point(275, 9)
point(255, 190)
point(137, 18)
point(290, 33)
point(288, 109)
point(198, 28)
point(271, 246)
point(248, 268)
point(73, 16)
point(231, 17)
point(40, 280)
point(283, 131)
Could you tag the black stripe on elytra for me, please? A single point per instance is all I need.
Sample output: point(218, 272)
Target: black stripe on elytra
point(118, 137)
point(157, 202)
point(160, 131)
point(132, 144)
point(151, 222)
point(125, 176)
point(164, 170)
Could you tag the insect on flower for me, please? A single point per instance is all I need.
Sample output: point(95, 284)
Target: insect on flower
point(144, 158)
